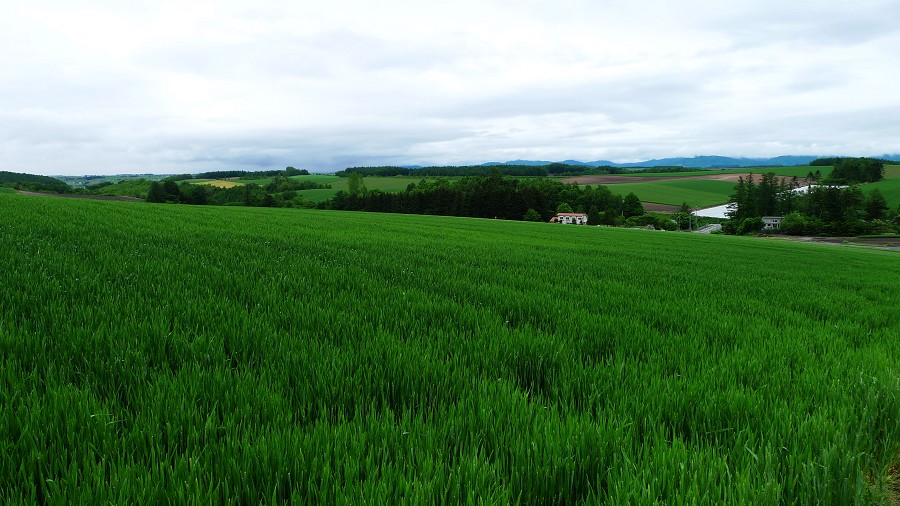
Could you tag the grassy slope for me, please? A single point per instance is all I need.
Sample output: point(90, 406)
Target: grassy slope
point(137, 188)
point(32, 182)
point(696, 192)
point(151, 353)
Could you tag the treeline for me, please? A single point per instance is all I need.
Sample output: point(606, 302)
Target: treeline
point(822, 210)
point(242, 174)
point(853, 166)
point(281, 192)
point(496, 196)
point(553, 169)
point(841, 211)
point(32, 183)
point(856, 170)
point(824, 162)
point(447, 171)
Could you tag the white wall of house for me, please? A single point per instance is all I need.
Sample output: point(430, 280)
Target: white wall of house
point(578, 219)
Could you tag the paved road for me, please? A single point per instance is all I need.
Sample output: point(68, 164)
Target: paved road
point(708, 229)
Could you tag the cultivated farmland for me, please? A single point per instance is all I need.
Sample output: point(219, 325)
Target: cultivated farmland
point(385, 184)
point(696, 192)
point(700, 188)
point(173, 354)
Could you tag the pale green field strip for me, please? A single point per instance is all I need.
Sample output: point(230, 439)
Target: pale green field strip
point(318, 178)
point(154, 354)
point(261, 182)
point(889, 186)
point(7, 190)
point(696, 192)
point(318, 195)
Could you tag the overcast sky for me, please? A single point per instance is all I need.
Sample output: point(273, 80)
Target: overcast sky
point(107, 87)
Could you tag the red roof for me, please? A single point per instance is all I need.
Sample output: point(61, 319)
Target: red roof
point(571, 214)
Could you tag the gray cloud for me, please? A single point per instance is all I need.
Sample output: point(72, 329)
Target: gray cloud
point(168, 87)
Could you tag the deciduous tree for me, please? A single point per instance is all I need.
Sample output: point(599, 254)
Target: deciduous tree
point(156, 193)
point(632, 206)
point(876, 206)
point(355, 185)
point(531, 215)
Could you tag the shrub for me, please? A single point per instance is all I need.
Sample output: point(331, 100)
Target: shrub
point(749, 226)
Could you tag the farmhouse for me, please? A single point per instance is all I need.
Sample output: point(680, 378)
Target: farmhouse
point(771, 222)
point(570, 218)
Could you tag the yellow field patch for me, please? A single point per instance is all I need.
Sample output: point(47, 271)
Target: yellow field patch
point(218, 183)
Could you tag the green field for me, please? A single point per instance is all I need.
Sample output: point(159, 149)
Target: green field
point(318, 195)
point(889, 186)
point(7, 190)
point(385, 184)
point(696, 192)
point(183, 354)
point(317, 178)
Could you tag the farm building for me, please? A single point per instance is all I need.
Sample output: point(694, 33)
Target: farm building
point(771, 222)
point(570, 218)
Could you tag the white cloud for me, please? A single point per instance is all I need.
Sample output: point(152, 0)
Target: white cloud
point(184, 86)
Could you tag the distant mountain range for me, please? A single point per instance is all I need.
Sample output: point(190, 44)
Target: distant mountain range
point(700, 162)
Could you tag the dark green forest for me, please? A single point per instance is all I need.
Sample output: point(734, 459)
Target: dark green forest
point(857, 170)
point(823, 210)
point(31, 182)
point(498, 196)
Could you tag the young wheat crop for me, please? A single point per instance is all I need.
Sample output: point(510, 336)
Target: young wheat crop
point(162, 353)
